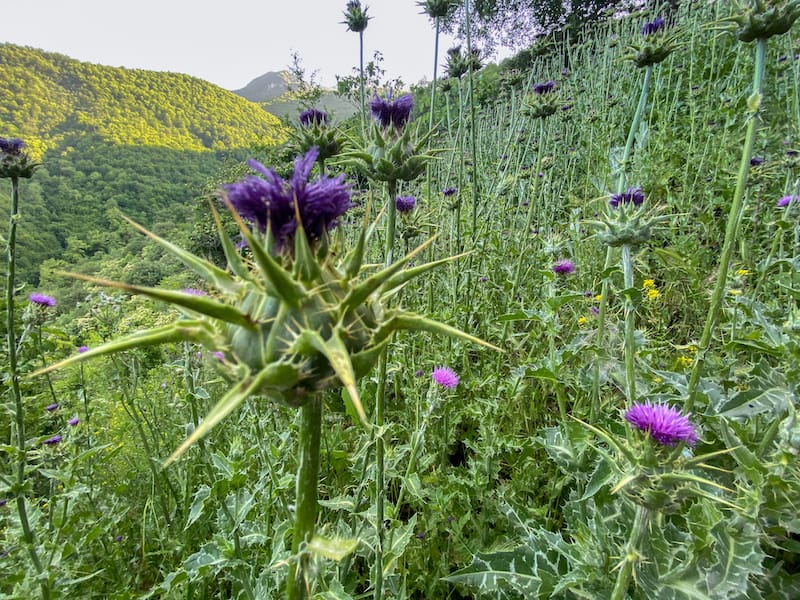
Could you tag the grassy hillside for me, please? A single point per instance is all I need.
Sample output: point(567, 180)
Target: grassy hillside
point(45, 96)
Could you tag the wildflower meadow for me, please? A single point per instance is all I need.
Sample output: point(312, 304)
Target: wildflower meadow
point(527, 331)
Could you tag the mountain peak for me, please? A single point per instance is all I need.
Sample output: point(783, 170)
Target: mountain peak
point(268, 86)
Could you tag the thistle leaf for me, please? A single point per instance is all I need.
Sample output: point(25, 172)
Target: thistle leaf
point(409, 274)
point(208, 271)
point(413, 322)
point(197, 304)
point(195, 331)
point(273, 374)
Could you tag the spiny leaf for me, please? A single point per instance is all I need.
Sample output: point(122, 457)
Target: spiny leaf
point(208, 271)
point(414, 322)
point(196, 331)
point(198, 304)
point(231, 255)
point(282, 374)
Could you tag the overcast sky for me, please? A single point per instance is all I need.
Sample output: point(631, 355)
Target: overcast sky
point(226, 42)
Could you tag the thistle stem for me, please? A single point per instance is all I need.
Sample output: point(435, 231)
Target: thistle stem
point(630, 325)
point(732, 228)
point(380, 406)
point(361, 84)
point(632, 552)
point(297, 587)
point(603, 308)
point(19, 411)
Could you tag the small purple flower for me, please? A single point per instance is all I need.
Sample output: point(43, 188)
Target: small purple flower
point(51, 407)
point(73, 421)
point(42, 300)
point(450, 191)
point(311, 117)
point(787, 200)
point(405, 203)
point(445, 377)
point(419, 373)
point(633, 196)
point(11, 146)
point(653, 26)
point(540, 89)
point(564, 267)
point(269, 200)
point(56, 439)
point(82, 349)
point(117, 538)
point(757, 161)
point(389, 113)
point(194, 292)
point(484, 279)
point(666, 425)
point(218, 355)
point(594, 310)
point(3, 502)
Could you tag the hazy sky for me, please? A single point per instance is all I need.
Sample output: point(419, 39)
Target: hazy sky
point(226, 42)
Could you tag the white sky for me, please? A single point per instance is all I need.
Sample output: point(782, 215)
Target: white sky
point(226, 42)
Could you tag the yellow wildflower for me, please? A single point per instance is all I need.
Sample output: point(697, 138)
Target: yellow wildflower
point(735, 292)
point(652, 294)
point(742, 272)
point(685, 361)
point(582, 321)
point(598, 298)
point(648, 284)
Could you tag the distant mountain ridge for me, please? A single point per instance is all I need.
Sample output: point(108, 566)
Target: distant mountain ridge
point(273, 91)
point(46, 96)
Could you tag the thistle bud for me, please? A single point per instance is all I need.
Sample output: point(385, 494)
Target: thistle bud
point(355, 16)
point(762, 19)
point(437, 9)
point(14, 160)
point(543, 100)
point(315, 131)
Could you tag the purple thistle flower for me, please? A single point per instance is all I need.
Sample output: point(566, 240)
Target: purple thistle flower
point(445, 377)
point(73, 421)
point(117, 538)
point(194, 292)
point(564, 267)
point(269, 200)
point(666, 425)
point(56, 439)
point(218, 355)
point(419, 373)
point(594, 310)
point(11, 146)
point(787, 200)
point(540, 89)
point(51, 407)
point(312, 116)
point(653, 26)
point(405, 203)
point(3, 502)
point(42, 300)
point(450, 191)
point(82, 349)
point(757, 161)
point(633, 196)
point(390, 113)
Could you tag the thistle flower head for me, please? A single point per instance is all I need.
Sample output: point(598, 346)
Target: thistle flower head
point(445, 377)
point(405, 204)
point(633, 196)
point(762, 19)
point(42, 300)
point(436, 9)
point(544, 88)
point(14, 161)
point(449, 191)
point(311, 117)
point(653, 26)
point(392, 113)
point(269, 201)
point(564, 267)
point(666, 425)
point(355, 16)
point(56, 439)
point(787, 200)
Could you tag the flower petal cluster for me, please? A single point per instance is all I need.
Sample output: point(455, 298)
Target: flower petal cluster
point(787, 200)
point(42, 300)
point(271, 201)
point(666, 425)
point(405, 204)
point(633, 196)
point(544, 88)
point(389, 113)
point(445, 377)
point(450, 191)
point(312, 116)
point(653, 26)
point(564, 267)
point(14, 161)
point(11, 146)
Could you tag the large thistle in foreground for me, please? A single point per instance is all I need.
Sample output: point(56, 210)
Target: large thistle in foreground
point(293, 321)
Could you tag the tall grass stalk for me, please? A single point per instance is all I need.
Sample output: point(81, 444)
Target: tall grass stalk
point(732, 227)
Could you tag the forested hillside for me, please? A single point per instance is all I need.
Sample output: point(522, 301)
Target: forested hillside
point(114, 141)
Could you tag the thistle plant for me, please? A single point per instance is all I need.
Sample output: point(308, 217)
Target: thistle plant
point(356, 19)
point(656, 44)
point(16, 164)
point(316, 131)
point(289, 325)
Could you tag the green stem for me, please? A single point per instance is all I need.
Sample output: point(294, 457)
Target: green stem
point(472, 128)
point(632, 552)
point(620, 184)
point(297, 585)
point(380, 407)
point(433, 103)
point(361, 84)
point(19, 411)
point(630, 326)
point(732, 228)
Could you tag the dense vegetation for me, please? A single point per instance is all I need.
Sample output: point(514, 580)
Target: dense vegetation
point(632, 239)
